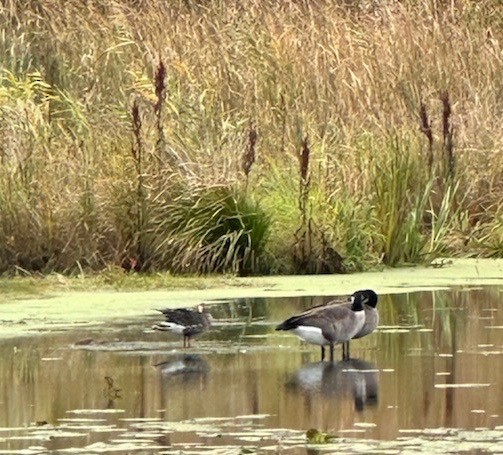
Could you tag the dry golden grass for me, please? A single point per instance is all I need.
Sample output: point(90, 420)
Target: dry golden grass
point(349, 75)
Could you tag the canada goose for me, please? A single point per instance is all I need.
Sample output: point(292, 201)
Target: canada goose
point(186, 322)
point(328, 324)
point(369, 299)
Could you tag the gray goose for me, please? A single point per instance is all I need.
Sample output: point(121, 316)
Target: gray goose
point(185, 321)
point(371, 318)
point(328, 325)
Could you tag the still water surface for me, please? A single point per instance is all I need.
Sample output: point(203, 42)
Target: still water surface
point(432, 374)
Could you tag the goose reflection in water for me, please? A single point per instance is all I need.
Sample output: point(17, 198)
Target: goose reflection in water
point(354, 378)
point(181, 379)
point(185, 367)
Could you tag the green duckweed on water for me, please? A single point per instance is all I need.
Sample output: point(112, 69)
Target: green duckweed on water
point(32, 305)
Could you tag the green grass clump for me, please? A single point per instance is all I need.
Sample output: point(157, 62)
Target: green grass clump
point(212, 229)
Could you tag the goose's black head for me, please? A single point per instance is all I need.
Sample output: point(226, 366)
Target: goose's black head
point(356, 302)
point(366, 297)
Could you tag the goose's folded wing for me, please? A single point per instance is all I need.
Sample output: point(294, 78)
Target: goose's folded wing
point(315, 314)
point(182, 316)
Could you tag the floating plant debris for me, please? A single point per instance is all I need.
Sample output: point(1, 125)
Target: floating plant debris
point(460, 386)
point(96, 411)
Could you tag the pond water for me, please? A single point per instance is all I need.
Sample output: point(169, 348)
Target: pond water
point(429, 380)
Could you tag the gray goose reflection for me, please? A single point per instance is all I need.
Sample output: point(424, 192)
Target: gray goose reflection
point(354, 378)
point(182, 378)
point(184, 367)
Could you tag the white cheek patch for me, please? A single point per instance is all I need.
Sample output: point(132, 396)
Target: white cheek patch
point(310, 334)
point(171, 327)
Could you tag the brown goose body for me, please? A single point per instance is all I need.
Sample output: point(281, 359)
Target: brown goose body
point(186, 322)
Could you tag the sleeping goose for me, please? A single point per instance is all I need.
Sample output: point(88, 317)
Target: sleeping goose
point(371, 318)
point(185, 321)
point(328, 325)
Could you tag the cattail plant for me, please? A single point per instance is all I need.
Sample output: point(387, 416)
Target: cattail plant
point(304, 165)
point(303, 235)
point(249, 155)
point(138, 154)
point(426, 130)
point(160, 93)
point(137, 146)
point(447, 134)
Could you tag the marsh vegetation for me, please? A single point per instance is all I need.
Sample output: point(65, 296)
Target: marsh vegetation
point(271, 137)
